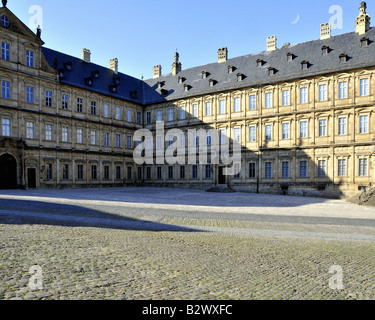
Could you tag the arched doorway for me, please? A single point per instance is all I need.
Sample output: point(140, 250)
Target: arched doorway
point(8, 172)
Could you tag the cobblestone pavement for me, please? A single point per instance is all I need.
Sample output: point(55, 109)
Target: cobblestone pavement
point(145, 243)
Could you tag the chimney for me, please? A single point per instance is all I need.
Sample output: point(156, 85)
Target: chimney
point(362, 23)
point(176, 66)
point(157, 71)
point(113, 65)
point(325, 31)
point(86, 55)
point(271, 43)
point(222, 55)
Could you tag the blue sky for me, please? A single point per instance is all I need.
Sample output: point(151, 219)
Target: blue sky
point(144, 33)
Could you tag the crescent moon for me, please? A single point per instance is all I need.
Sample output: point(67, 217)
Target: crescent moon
point(297, 19)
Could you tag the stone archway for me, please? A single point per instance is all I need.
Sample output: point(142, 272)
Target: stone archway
point(8, 172)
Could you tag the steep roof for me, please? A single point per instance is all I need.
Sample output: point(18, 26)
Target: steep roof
point(319, 64)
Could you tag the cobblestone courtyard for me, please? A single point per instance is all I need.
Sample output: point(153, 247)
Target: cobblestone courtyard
point(145, 243)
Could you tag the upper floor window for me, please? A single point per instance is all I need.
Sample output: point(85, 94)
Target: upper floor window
point(253, 102)
point(30, 58)
point(364, 84)
point(118, 113)
point(5, 21)
point(106, 111)
point(159, 116)
point(129, 116)
point(303, 129)
point(79, 105)
point(268, 100)
point(65, 100)
point(148, 118)
point(286, 130)
point(363, 124)
point(170, 114)
point(286, 97)
point(30, 130)
point(268, 132)
point(65, 134)
point(303, 95)
point(208, 108)
point(237, 104)
point(195, 110)
point(6, 128)
point(139, 117)
point(30, 95)
point(343, 90)
point(323, 92)
point(6, 89)
point(182, 113)
point(48, 132)
point(222, 106)
point(322, 128)
point(48, 98)
point(5, 51)
point(93, 108)
point(252, 134)
point(342, 126)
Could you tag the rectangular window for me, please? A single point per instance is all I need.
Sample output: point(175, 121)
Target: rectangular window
point(322, 128)
point(341, 168)
point(158, 173)
point(106, 111)
point(79, 105)
point(30, 95)
point(48, 98)
point(118, 173)
point(5, 51)
point(208, 108)
point(170, 172)
point(129, 142)
point(148, 118)
point(65, 134)
point(148, 173)
point(237, 135)
point(65, 172)
point(80, 172)
point(80, 136)
point(49, 171)
point(182, 172)
point(303, 169)
point(286, 131)
point(170, 114)
point(182, 113)
point(118, 140)
point(252, 170)
point(363, 171)
point(6, 89)
point(65, 102)
point(364, 87)
point(252, 134)
point(209, 138)
point(195, 110)
point(286, 98)
point(222, 106)
point(285, 169)
point(106, 139)
point(129, 116)
point(159, 116)
point(30, 58)
point(129, 169)
point(269, 103)
point(363, 124)
point(6, 129)
point(93, 108)
point(237, 104)
point(268, 132)
point(303, 129)
point(342, 126)
point(268, 169)
point(139, 173)
point(48, 133)
point(252, 102)
point(343, 90)
point(323, 92)
point(222, 134)
point(139, 117)
point(30, 130)
point(106, 172)
point(94, 172)
point(118, 113)
point(322, 168)
point(303, 95)
point(208, 171)
point(194, 171)
point(93, 137)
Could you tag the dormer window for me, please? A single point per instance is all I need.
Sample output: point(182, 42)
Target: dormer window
point(181, 80)
point(68, 66)
point(211, 82)
point(116, 80)
point(271, 71)
point(325, 50)
point(113, 88)
point(240, 77)
point(231, 69)
point(5, 21)
point(61, 73)
point(134, 94)
point(186, 87)
point(205, 74)
point(164, 92)
point(160, 84)
point(305, 65)
point(260, 63)
point(89, 81)
point(343, 57)
point(95, 74)
point(365, 42)
point(289, 56)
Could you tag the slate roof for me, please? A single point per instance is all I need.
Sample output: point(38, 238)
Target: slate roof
point(149, 92)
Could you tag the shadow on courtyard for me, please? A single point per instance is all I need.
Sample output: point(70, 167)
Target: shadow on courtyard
point(41, 213)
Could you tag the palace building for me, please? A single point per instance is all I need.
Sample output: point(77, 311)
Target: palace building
point(303, 113)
